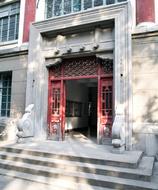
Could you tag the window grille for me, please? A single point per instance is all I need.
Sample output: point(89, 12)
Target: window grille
point(62, 7)
point(5, 93)
point(9, 22)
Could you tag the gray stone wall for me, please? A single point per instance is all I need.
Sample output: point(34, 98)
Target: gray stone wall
point(145, 92)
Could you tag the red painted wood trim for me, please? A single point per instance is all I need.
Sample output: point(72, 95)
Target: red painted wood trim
point(30, 9)
point(49, 101)
point(80, 77)
point(99, 106)
point(145, 11)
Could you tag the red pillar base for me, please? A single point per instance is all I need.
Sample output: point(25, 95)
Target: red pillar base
point(145, 12)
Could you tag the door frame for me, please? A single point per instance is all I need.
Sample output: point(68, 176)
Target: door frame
point(99, 76)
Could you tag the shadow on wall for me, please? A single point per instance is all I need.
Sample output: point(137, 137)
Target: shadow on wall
point(150, 109)
point(145, 94)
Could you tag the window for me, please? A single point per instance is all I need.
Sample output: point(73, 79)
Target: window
point(5, 93)
point(9, 22)
point(62, 7)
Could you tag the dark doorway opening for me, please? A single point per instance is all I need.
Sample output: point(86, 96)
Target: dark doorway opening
point(81, 108)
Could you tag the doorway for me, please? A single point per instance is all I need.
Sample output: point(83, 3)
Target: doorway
point(81, 107)
point(80, 97)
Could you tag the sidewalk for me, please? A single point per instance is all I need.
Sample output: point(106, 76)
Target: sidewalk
point(9, 183)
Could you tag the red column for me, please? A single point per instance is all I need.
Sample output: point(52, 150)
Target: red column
point(30, 9)
point(145, 11)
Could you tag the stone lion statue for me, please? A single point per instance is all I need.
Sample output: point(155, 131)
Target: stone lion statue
point(25, 124)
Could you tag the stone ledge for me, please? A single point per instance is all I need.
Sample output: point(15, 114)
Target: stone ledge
point(146, 128)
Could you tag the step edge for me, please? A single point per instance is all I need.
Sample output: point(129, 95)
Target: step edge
point(146, 185)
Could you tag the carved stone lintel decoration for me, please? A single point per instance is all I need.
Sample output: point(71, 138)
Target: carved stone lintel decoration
point(69, 50)
point(95, 46)
point(56, 51)
point(82, 48)
point(25, 124)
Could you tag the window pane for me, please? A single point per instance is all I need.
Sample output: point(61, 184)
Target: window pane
point(9, 22)
point(3, 105)
point(3, 113)
point(98, 2)
point(8, 113)
point(57, 7)
point(4, 98)
point(121, 0)
point(12, 28)
point(49, 8)
point(108, 2)
point(67, 6)
point(76, 5)
point(5, 93)
point(87, 4)
point(5, 29)
point(9, 97)
point(17, 27)
point(0, 28)
point(8, 106)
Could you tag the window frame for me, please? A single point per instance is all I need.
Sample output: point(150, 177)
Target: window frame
point(5, 77)
point(82, 8)
point(8, 11)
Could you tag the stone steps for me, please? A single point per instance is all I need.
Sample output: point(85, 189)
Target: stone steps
point(143, 172)
point(74, 172)
point(126, 161)
point(58, 184)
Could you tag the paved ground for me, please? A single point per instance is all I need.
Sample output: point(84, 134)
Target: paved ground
point(9, 183)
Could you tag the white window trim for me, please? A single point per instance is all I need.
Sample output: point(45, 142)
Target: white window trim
point(156, 12)
point(8, 42)
point(21, 22)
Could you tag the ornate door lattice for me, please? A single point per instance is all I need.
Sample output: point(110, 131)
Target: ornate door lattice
point(106, 66)
point(55, 104)
point(80, 67)
point(106, 99)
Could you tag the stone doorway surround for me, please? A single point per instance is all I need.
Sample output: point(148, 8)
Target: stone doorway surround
point(37, 75)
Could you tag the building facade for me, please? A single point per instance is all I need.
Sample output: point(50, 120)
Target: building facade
point(83, 64)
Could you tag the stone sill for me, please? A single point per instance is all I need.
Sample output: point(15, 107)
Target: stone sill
point(8, 43)
point(145, 31)
point(146, 128)
point(8, 51)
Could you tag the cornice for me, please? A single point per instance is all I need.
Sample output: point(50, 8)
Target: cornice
point(13, 52)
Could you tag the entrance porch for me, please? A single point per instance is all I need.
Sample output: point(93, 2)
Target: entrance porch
point(77, 165)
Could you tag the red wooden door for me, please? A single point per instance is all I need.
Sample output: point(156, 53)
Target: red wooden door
point(105, 104)
point(56, 110)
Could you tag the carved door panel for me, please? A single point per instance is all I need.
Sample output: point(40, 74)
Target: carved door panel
point(56, 110)
point(105, 103)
